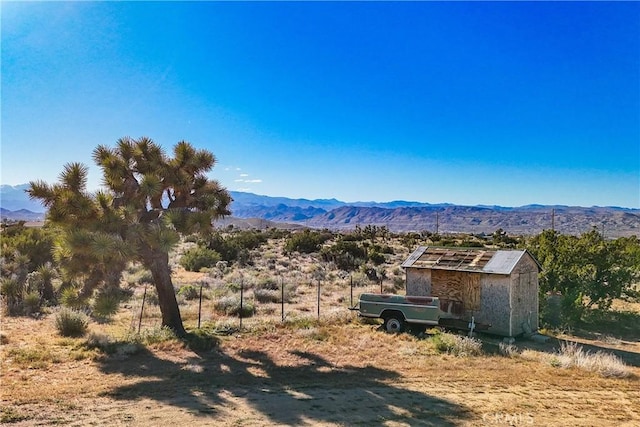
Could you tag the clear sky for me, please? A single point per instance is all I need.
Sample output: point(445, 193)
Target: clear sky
point(506, 103)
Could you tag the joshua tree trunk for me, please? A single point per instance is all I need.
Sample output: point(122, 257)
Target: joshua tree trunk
point(157, 261)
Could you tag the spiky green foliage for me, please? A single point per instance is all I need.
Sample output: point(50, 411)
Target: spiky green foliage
point(148, 201)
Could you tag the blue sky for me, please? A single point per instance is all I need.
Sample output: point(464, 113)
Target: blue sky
point(506, 103)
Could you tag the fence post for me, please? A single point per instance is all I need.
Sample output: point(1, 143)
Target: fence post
point(144, 297)
point(200, 306)
point(241, 298)
point(282, 297)
point(318, 299)
point(351, 286)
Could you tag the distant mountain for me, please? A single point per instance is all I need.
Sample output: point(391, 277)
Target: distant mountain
point(15, 198)
point(253, 210)
point(416, 216)
point(21, 215)
point(615, 222)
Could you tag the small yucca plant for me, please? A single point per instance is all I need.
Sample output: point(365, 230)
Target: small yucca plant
point(106, 305)
point(70, 298)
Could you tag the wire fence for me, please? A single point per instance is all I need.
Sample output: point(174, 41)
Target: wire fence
point(244, 305)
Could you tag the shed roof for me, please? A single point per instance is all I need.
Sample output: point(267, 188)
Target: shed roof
point(480, 260)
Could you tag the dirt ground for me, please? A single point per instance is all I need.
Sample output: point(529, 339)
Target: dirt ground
point(328, 374)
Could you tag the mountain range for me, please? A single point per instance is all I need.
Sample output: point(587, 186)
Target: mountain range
point(255, 210)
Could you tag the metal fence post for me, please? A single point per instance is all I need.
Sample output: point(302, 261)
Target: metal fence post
point(200, 307)
point(144, 297)
point(351, 286)
point(241, 298)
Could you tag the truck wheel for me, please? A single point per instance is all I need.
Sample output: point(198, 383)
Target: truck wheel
point(393, 324)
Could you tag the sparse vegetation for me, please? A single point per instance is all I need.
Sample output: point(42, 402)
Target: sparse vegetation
point(457, 345)
point(323, 345)
point(197, 258)
point(606, 364)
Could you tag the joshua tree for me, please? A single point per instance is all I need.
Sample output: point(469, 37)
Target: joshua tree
point(148, 200)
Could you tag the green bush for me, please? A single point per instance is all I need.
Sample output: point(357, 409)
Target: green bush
point(199, 257)
point(189, 292)
point(106, 304)
point(306, 242)
point(71, 323)
point(70, 298)
point(13, 292)
point(346, 255)
point(266, 295)
point(31, 303)
point(457, 345)
point(376, 258)
point(231, 307)
point(268, 283)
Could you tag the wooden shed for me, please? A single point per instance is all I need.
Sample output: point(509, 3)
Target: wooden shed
point(495, 287)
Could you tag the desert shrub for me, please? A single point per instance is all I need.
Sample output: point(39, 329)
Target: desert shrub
point(398, 283)
point(508, 350)
point(305, 242)
point(198, 258)
point(33, 244)
point(140, 276)
point(376, 258)
point(249, 239)
point(346, 255)
point(457, 345)
point(359, 279)
point(13, 292)
point(266, 295)
point(157, 335)
point(70, 298)
point(106, 304)
point(237, 246)
point(152, 297)
point(230, 306)
point(36, 357)
point(71, 323)
point(605, 364)
point(191, 239)
point(101, 342)
point(203, 339)
point(189, 292)
point(268, 283)
point(31, 303)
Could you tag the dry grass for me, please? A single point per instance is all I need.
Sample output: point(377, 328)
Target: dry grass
point(606, 364)
point(329, 370)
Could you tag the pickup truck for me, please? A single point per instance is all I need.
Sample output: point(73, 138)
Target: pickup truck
point(399, 310)
point(417, 312)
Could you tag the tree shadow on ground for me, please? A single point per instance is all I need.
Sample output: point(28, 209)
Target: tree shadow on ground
point(308, 390)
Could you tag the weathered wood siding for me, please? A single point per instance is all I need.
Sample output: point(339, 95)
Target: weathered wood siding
point(457, 286)
point(419, 282)
point(494, 304)
point(508, 302)
point(524, 296)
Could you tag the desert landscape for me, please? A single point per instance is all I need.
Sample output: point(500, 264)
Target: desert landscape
point(195, 195)
point(329, 369)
